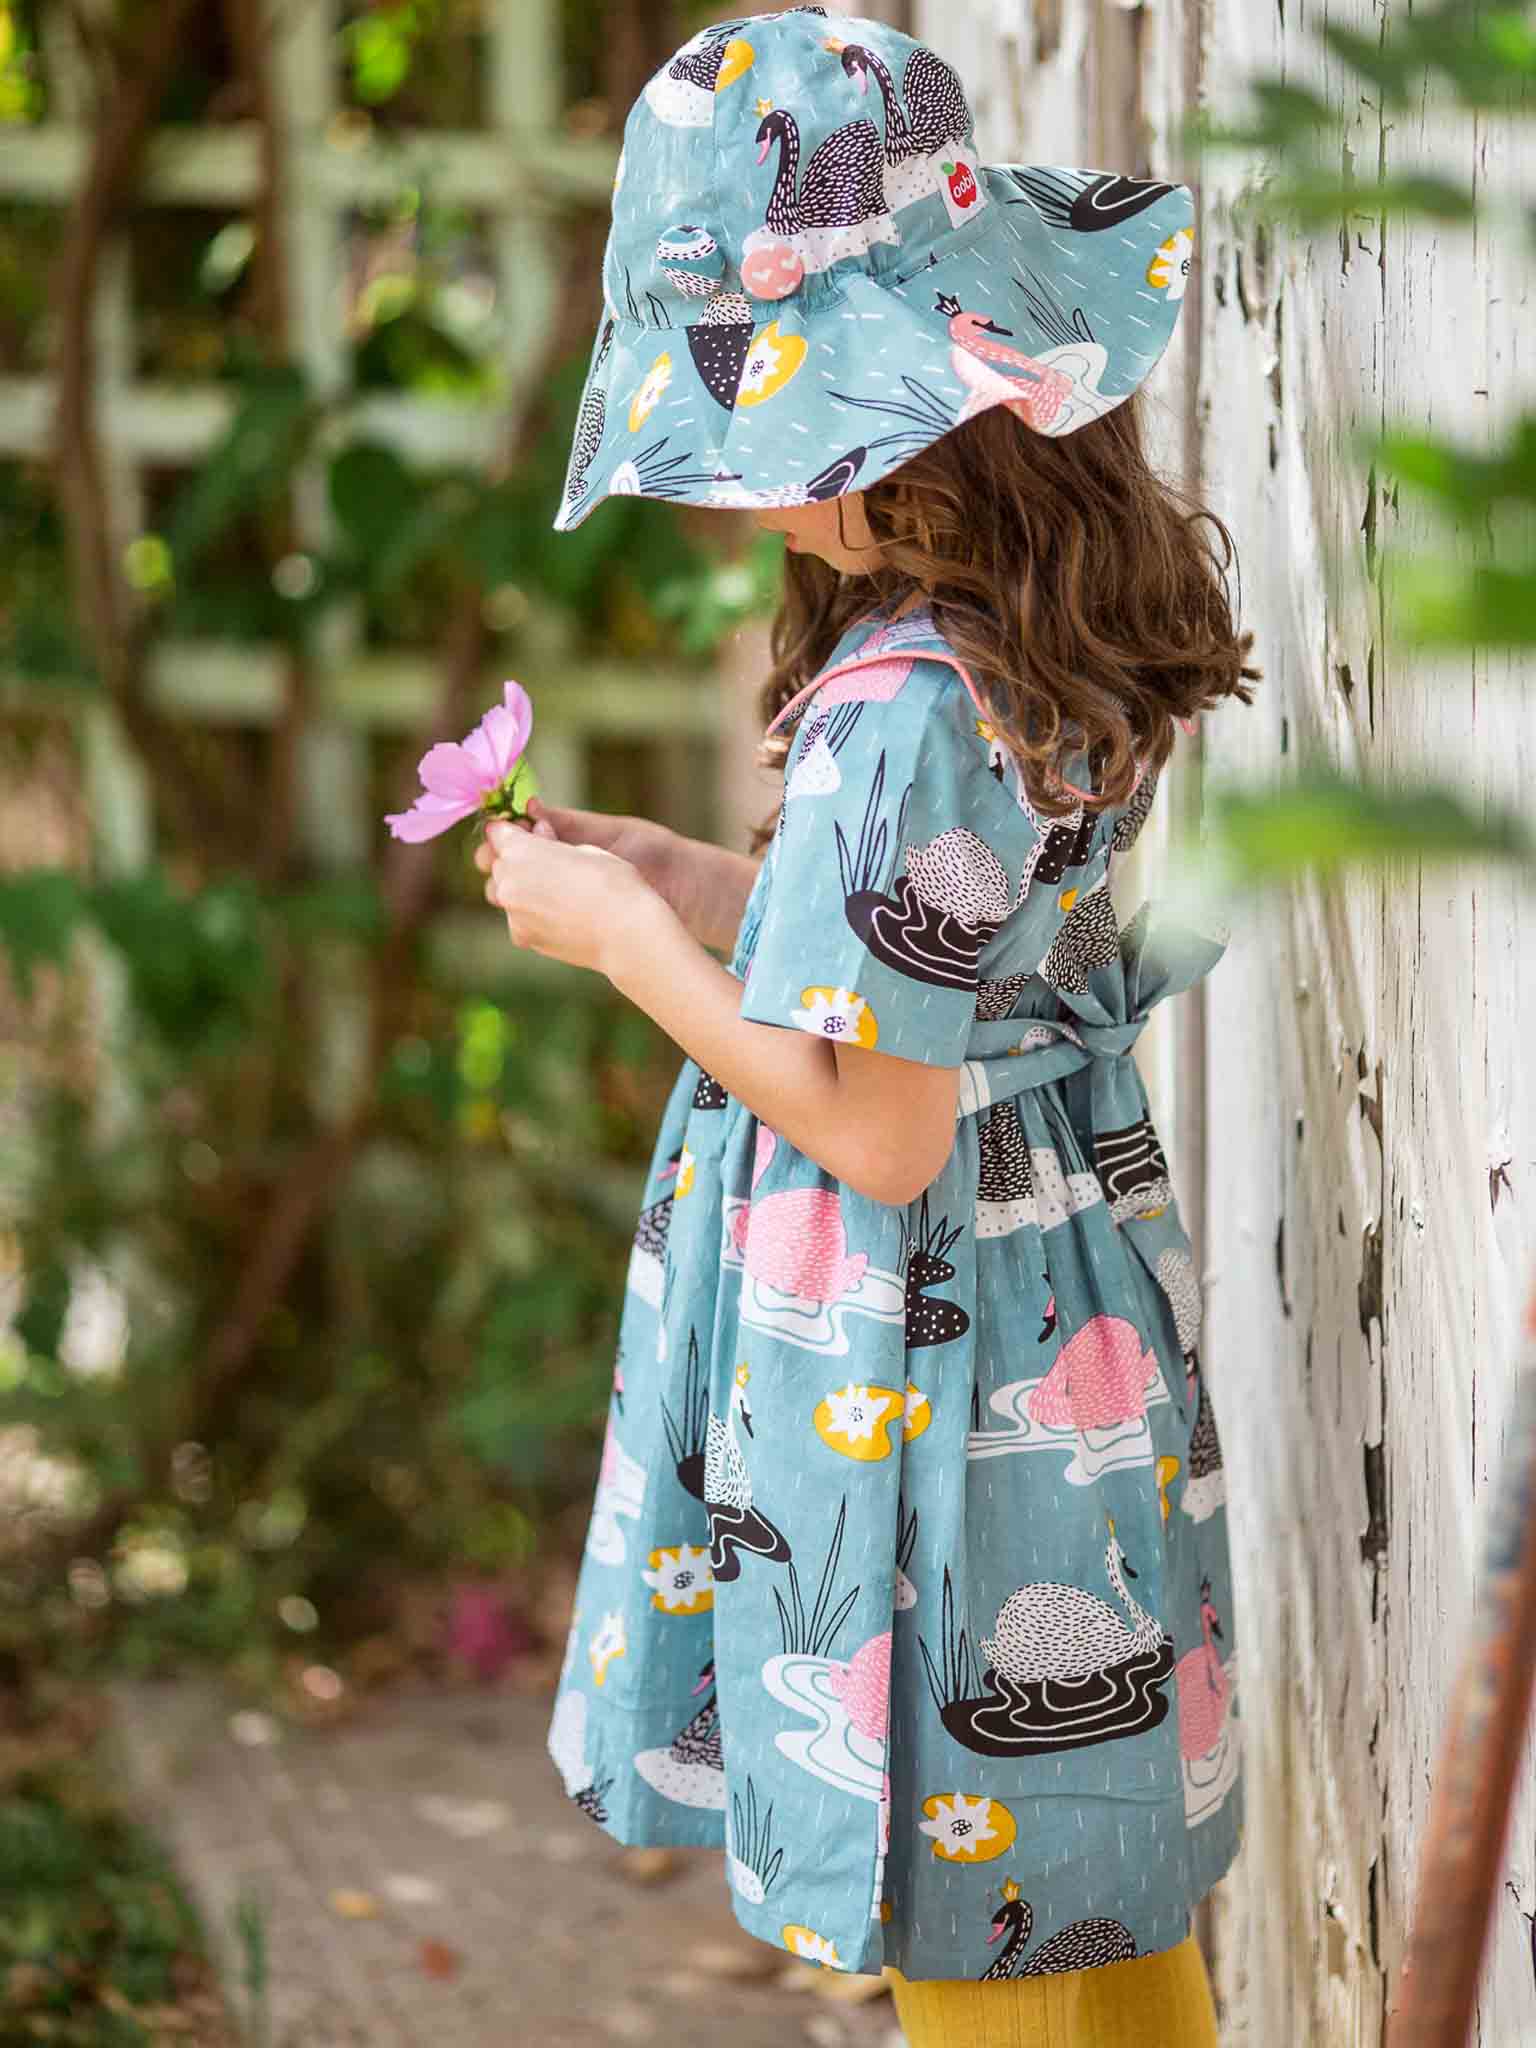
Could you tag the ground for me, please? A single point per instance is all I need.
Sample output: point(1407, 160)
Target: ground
point(416, 1876)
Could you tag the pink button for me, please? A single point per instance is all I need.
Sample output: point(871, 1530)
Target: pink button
point(771, 270)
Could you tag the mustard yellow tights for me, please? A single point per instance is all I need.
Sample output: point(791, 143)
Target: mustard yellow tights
point(1156, 2001)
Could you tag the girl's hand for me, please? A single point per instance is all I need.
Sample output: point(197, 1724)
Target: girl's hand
point(567, 903)
point(705, 886)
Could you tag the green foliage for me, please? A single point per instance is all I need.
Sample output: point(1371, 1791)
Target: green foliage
point(1321, 822)
point(39, 911)
point(425, 1390)
point(1487, 55)
point(95, 1923)
point(249, 469)
point(1461, 480)
point(708, 607)
point(422, 1394)
point(196, 961)
point(381, 45)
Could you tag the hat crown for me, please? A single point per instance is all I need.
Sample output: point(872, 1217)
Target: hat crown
point(802, 145)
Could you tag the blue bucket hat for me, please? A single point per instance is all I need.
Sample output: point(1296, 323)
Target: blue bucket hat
point(810, 276)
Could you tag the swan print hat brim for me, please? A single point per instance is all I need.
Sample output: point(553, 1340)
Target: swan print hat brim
point(809, 275)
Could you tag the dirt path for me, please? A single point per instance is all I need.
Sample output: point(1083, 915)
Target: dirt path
point(420, 1881)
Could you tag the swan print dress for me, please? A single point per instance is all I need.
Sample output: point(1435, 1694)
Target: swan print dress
point(907, 1579)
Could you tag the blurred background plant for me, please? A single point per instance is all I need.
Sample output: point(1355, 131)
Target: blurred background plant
point(316, 1200)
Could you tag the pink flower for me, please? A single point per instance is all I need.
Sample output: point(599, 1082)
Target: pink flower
point(481, 1632)
point(459, 779)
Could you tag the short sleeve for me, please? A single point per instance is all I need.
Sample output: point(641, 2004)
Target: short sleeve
point(900, 851)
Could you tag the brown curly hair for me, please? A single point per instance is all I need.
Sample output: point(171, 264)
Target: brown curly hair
point(1087, 596)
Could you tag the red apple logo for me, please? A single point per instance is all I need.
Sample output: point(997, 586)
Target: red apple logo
point(962, 182)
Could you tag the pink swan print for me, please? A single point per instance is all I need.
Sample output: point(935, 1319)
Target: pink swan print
point(974, 357)
point(1203, 1686)
point(794, 1241)
point(1099, 1378)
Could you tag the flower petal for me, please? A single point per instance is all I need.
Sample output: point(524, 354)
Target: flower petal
point(520, 704)
point(452, 771)
point(428, 817)
point(481, 749)
point(501, 728)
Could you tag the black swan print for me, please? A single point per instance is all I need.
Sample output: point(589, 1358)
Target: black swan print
point(949, 902)
point(837, 208)
point(734, 1523)
point(1082, 1946)
point(930, 1319)
point(1088, 940)
point(1133, 1170)
point(691, 1769)
point(934, 114)
point(1085, 203)
point(1064, 1669)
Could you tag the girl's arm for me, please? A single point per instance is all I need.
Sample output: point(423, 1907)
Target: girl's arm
point(883, 1125)
point(722, 881)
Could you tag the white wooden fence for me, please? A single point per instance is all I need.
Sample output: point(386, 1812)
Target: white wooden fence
point(1367, 1097)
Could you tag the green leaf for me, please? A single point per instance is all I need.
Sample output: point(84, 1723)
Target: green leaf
point(1463, 479)
point(248, 468)
point(1317, 199)
point(372, 494)
point(1322, 821)
point(1393, 65)
point(1443, 603)
point(39, 910)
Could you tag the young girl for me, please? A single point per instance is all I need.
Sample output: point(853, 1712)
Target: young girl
point(907, 1578)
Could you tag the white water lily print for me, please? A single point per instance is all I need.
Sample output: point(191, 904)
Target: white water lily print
point(967, 1830)
point(837, 1013)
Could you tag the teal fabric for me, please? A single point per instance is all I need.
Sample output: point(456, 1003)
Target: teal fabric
point(858, 1600)
point(810, 276)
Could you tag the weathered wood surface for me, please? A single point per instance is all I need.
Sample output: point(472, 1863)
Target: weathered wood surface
point(1370, 1150)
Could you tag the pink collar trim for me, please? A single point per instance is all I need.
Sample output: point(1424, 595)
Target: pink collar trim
point(859, 661)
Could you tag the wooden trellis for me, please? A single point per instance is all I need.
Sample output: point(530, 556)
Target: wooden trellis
point(515, 172)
